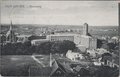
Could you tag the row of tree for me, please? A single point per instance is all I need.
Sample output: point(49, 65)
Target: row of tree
point(109, 46)
point(44, 48)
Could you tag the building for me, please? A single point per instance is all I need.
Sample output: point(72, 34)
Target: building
point(38, 41)
point(82, 48)
point(57, 70)
point(65, 36)
point(61, 37)
point(85, 40)
point(88, 41)
point(10, 36)
point(74, 56)
point(85, 29)
point(110, 60)
point(23, 38)
point(94, 53)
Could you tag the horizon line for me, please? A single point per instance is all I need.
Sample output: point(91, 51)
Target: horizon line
point(55, 24)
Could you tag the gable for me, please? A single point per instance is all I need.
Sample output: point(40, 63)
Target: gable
point(58, 72)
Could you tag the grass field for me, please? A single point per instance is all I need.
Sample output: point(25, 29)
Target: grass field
point(16, 65)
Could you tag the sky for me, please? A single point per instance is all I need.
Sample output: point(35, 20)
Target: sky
point(95, 13)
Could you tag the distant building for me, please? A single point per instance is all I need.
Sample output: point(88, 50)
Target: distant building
point(97, 52)
point(10, 36)
point(85, 40)
point(60, 37)
point(23, 38)
point(38, 41)
point(115, 39)
point(74, 56)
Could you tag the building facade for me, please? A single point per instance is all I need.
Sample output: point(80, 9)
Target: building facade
point(23, 38)
point(60, 37)
point(84, 40)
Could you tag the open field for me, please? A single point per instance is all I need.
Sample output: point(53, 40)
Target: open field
point(16, 65)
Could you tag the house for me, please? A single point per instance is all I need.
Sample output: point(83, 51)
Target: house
point(97, 62)
point(74, 56)
point(80, 70)
point(97, 52)
point(110, 60)
point(59, 69)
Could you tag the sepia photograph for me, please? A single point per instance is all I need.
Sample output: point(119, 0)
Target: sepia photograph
point(59, 38)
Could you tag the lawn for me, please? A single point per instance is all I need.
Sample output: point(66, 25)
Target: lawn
point(16, 65)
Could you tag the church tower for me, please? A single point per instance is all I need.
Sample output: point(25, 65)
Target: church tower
point(10, 36)
point(85, 29)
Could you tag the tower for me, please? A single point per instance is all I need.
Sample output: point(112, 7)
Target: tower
point(85, 29)
point(10, 36)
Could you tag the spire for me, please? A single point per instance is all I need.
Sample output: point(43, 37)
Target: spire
point(10, 36)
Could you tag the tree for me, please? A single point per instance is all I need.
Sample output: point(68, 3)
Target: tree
point(3, 38)
point(106, 71)
point(44, 48)
point(99, 43)
point(112, 45)
point(63, 46)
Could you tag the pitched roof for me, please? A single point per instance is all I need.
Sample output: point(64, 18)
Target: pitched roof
point(113, 59)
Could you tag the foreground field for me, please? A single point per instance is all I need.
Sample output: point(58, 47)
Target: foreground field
point(17, 65)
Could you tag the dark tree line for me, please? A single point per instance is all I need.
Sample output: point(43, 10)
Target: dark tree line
point(55, 47)
point(17, 49)
point(108, 46)
point(44, 48)
point(106, 71)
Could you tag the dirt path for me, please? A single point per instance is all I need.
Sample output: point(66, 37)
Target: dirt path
point(37, 60)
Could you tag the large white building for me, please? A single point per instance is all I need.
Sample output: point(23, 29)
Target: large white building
point(84, 40)
point(88, 41)
point(60, 37)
